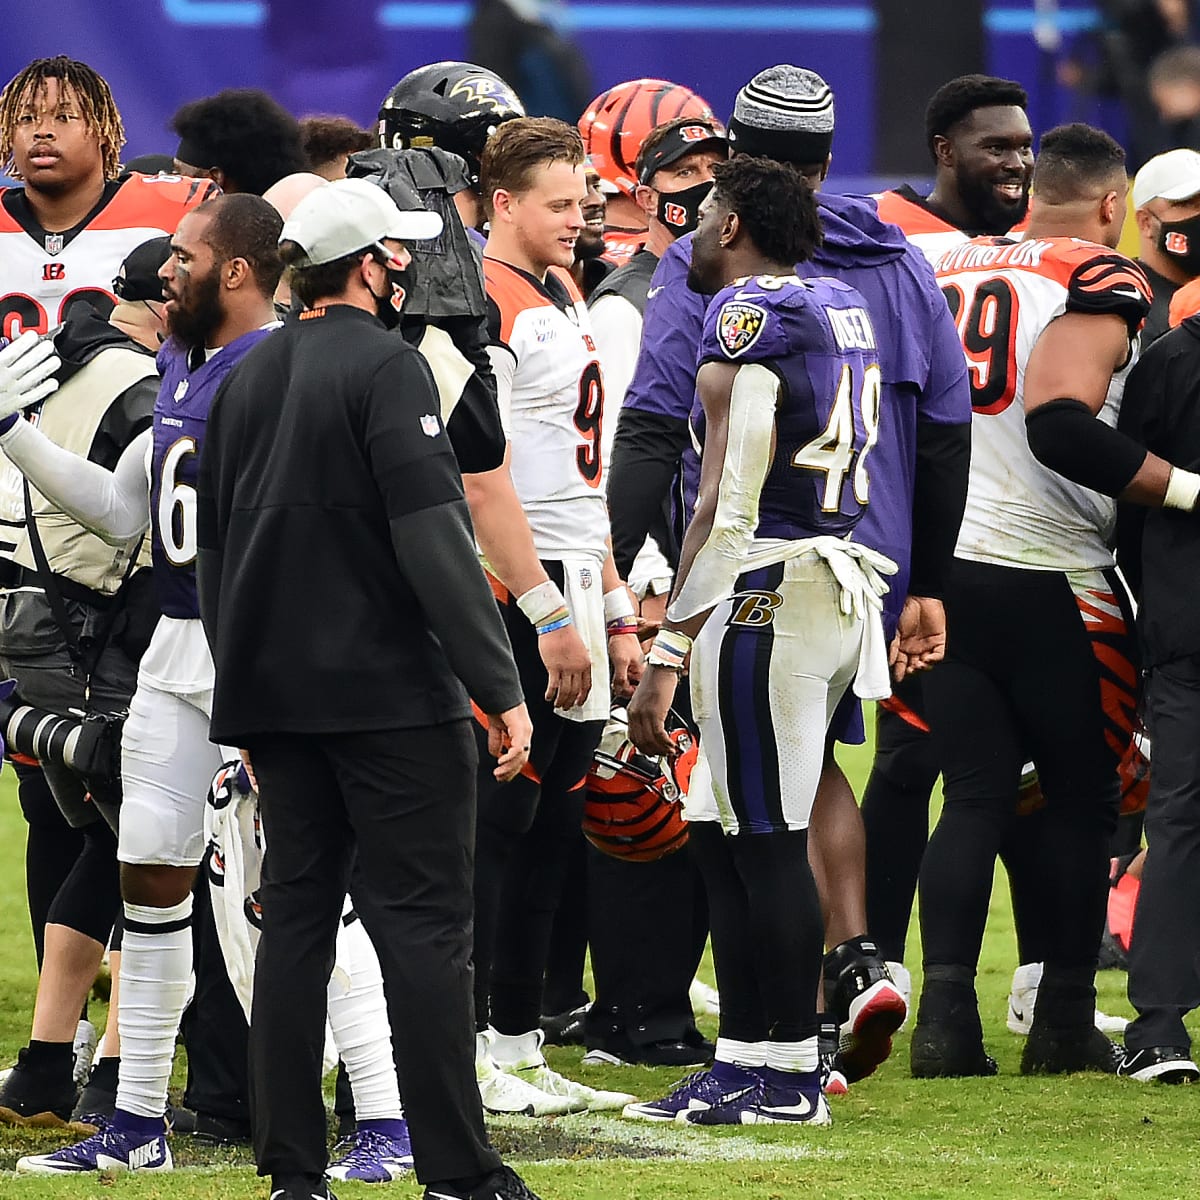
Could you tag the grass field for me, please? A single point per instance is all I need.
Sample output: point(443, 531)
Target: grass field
point(892, 1137)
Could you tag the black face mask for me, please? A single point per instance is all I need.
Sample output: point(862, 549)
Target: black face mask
point(388, 306)
point(680, 211)
point(1180, 242)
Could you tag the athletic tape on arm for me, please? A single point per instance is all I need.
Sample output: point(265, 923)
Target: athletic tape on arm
point(747, 460)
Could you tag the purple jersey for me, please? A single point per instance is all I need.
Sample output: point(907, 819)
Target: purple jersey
point(920, 357)
point(817, 338)
point(180, 417)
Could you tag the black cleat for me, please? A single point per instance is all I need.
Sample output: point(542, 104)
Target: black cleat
point(945, 1052)
point(1065, 1051)
point(36, 1098)
point(1159, 1064)
point(208, 1127)
point(502, 1184)
point(565, 1028)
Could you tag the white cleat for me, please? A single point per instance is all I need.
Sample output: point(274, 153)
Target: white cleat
point(532, 1068)
point(706, 1001)
point(505, 1093)
point(1022, 1000)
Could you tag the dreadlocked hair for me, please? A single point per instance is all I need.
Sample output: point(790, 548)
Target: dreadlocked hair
point(91, 92)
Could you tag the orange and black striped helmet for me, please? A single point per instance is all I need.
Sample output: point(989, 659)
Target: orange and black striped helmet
point(634, 810)
point(618, 120)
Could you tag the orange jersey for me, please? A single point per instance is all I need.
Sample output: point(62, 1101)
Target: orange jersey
point(43, 274)
point(932, 235)
point(1003, 295)
point(620, 245)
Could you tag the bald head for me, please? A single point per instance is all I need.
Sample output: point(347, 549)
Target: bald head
point(290, 190)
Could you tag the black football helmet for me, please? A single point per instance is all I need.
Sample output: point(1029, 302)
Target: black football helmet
point(454, 105)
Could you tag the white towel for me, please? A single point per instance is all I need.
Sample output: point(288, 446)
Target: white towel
point(584, 592)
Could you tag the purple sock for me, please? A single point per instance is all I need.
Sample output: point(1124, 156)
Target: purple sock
point(729, 1072)
point(393, 1127)
point(805, 1081)
point(137, 1129)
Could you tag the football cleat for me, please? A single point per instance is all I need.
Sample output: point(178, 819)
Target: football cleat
point(31, 1097)
point(765, 1104)
point(504, 1093)
point(373, 1157)
point(1022, 1000)
point(502, 1184)
point(869, 1007)
point(1066, 1051)
point(1159, 1064)
point(109, 1149)
point(535, 1071)
point(706, 1001)
point(565, 1028)
point(84, 1050)
point(701, 1090)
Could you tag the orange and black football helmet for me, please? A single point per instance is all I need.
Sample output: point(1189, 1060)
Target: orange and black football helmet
point(634, 805)
point(616, 123)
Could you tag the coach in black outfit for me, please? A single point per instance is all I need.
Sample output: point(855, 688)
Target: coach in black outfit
point(342, 596)
point(1161, 410)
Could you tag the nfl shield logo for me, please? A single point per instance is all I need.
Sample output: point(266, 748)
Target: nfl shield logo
point(54, 243)
point(585, 577)
point(739, 325)
point(429, 425)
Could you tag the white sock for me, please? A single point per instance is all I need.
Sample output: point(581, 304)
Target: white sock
point(359, 1021)
point(509, 1049)
point(793, 1056)
point(741, 1054)
point(156, 965)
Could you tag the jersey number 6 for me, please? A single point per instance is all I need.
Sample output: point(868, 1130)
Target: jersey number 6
point(177, 506)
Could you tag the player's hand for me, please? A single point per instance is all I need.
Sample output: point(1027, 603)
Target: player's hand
point(27, 367)
point(628, 663)
point(249, 770)
point(648, 711)
point(920, 639)
point(568, 667)
point(509, 736)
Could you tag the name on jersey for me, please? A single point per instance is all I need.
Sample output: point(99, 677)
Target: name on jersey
point(970, 257)
point(852, 328)
point(172, 421)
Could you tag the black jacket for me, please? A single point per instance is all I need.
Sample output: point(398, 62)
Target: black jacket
point(339, 585)
point(1160, 548)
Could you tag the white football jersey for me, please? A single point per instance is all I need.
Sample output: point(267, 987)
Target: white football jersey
point(552, 405)
point(43, 274)
point(1003, 295)
point(922, 227)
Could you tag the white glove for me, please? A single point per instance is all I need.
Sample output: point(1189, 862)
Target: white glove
point(27, 367)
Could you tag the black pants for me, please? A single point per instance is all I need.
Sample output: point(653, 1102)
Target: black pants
point(404, 801)
point(1025, 675)
point(528, 829)
point(895, 813)
point(214, 1028)
point(647, 926)
point(1164, 962)
point(767, 934)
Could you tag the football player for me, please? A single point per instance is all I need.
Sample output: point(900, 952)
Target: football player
point(786, 113)
point(64, 233)
point(777, 611)
point(982, 148)
point(614, 126)
point(1049, 327)
point(551, 395)
point(218, 282)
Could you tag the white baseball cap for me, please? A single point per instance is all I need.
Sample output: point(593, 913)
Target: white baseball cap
point(1171, 176)
point(352, 214)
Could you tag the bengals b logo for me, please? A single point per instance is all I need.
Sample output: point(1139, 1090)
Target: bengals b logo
point(53, 271)
point(1176, 243)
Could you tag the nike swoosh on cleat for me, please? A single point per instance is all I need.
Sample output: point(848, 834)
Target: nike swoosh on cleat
point(1016, 1012)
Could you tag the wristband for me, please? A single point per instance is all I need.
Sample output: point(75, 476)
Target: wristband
point(9, 422)
point(542, 604)
point(617, 605)
point(1183, 490)
point(669, 649)
point(559, 623)
point(621, 625)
